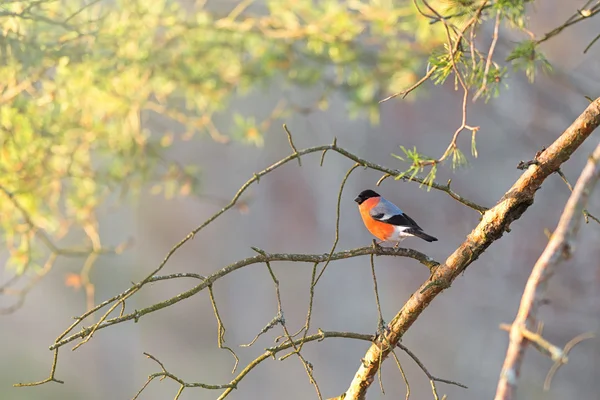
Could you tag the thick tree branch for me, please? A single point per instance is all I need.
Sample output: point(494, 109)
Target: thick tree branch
point(491, 228)
point(558, 249)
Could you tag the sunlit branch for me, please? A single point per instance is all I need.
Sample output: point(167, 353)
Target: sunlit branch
point(559, 248)
point(492, 227)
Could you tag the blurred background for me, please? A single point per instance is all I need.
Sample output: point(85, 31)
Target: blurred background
point(293, 209)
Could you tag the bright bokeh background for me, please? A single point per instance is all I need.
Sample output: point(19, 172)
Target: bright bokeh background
point(293, 210)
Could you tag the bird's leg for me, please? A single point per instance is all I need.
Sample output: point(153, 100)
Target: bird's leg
point(396, 245)
point(377, 245)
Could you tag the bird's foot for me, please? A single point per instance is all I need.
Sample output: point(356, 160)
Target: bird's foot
point(377, 245)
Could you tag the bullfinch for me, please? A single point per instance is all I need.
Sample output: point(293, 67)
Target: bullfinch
point(385, 221)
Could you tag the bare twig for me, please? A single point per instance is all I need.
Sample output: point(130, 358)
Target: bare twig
point(279, 319)
point(589, 46)
point(380, 322)
point(431, 377)
point(488, 61)
point(313, 282)
point(404, 378)
point(255, 178)
point(337, 219)
point(221, 329)
point(492, 226)
point(577, 17)
point(272, 351)
point(568, 347)
point(182, 384)
point(320, 336)
point(406, 92)
point(50, 378)
point(559, 248)
point(308, 258)
point(118, 301)
point(587, 217)
point(289, 135)
point(586, 213)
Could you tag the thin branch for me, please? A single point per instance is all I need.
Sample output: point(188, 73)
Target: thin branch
point(586, 213)
point(119, 300)
point(320, 336)
point(587, 216)
point(337, 218)
point(406, 92)
point(232, 203)
point(314, 277)
point(577, 17)
point(308, 258)
point(279, 319)
point(256, 178)
point(403, 374)
point(380, 322)
point(272, 351)
point(589, 46)
point(559, 248)
point(431, 377)
point(50, 378)
point(289, 135)
point(182, 384)
point(221, 329)
point(568, 347)
point(488, 61)
point(494, 223)
point(399, 175)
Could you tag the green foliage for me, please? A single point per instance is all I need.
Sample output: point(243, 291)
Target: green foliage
point(471, 65)
point(418, 162)
point(82, 82)
point(513, 11)
point(458, 158)
point(525, 56)
point(442, 62)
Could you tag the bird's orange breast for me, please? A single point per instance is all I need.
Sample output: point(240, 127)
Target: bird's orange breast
point(380, 230)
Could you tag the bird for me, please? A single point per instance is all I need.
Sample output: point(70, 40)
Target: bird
point(386, 221)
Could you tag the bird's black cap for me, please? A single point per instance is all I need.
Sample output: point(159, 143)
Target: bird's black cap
point(364, 195)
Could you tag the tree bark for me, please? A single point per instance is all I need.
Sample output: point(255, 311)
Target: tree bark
point(493, 224)
point(558, 249)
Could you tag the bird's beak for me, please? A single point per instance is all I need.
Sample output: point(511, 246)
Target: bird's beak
point(357, 199)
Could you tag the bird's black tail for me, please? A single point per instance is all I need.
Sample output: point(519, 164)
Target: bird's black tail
point(420, 234)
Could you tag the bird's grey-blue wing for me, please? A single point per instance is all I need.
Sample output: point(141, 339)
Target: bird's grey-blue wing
point(389, 213)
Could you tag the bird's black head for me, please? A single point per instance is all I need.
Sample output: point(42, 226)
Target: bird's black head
point(364, 195)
